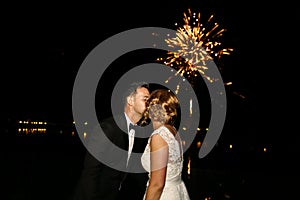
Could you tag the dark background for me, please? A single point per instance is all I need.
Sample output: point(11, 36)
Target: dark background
point(43, 46)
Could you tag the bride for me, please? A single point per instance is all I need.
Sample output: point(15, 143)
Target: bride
point(163, 156)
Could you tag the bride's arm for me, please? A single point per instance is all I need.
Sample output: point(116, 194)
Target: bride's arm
point(158, 159)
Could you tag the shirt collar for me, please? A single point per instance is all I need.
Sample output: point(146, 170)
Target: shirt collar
point(128, 121)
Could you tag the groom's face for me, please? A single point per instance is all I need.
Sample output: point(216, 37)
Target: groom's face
point(140, 98)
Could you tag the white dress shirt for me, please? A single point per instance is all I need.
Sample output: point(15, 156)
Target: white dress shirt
point(131, 134)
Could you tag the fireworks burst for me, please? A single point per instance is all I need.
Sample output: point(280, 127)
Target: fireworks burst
point(194, 46)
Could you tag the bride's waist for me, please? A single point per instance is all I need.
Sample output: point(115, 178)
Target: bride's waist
point(173, 181)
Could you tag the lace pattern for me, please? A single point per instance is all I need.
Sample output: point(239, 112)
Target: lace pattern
point(174, 187)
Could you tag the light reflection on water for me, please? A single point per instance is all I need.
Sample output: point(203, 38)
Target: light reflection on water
point(36, 164)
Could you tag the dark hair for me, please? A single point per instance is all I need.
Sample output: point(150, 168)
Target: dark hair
point(132, 88)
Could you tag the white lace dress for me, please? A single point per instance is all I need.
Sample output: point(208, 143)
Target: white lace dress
point(175, 188)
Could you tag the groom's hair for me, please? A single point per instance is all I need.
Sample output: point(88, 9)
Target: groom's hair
point(132, 88)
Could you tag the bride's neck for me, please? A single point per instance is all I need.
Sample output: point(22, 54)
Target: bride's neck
point(156, 124)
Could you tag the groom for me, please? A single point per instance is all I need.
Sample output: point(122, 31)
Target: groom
point(99, 181)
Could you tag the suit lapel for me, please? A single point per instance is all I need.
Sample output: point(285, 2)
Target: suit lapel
point(123, 133)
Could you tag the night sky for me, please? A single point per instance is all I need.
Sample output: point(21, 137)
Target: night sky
point(44, 45)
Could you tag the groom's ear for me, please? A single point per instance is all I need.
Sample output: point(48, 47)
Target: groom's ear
point(130, 100)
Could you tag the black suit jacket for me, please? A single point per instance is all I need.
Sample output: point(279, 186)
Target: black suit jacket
point(108, 180)
point(134, 185)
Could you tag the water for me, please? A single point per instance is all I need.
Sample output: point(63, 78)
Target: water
point(48, 167)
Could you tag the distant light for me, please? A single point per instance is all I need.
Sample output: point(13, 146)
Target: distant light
point(32, 127)
point(191, 107)
point(230, 146)
point(189, 166)
point(240, 95)
point(228, 83)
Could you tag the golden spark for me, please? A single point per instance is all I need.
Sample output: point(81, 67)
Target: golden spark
point(194, 46)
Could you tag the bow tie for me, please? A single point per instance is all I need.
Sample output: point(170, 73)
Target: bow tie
point(131, 126)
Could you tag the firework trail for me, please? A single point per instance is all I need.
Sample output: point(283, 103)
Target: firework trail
point(194, 46)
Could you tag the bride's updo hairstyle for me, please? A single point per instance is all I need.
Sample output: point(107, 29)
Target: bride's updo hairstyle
point(162, 106)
